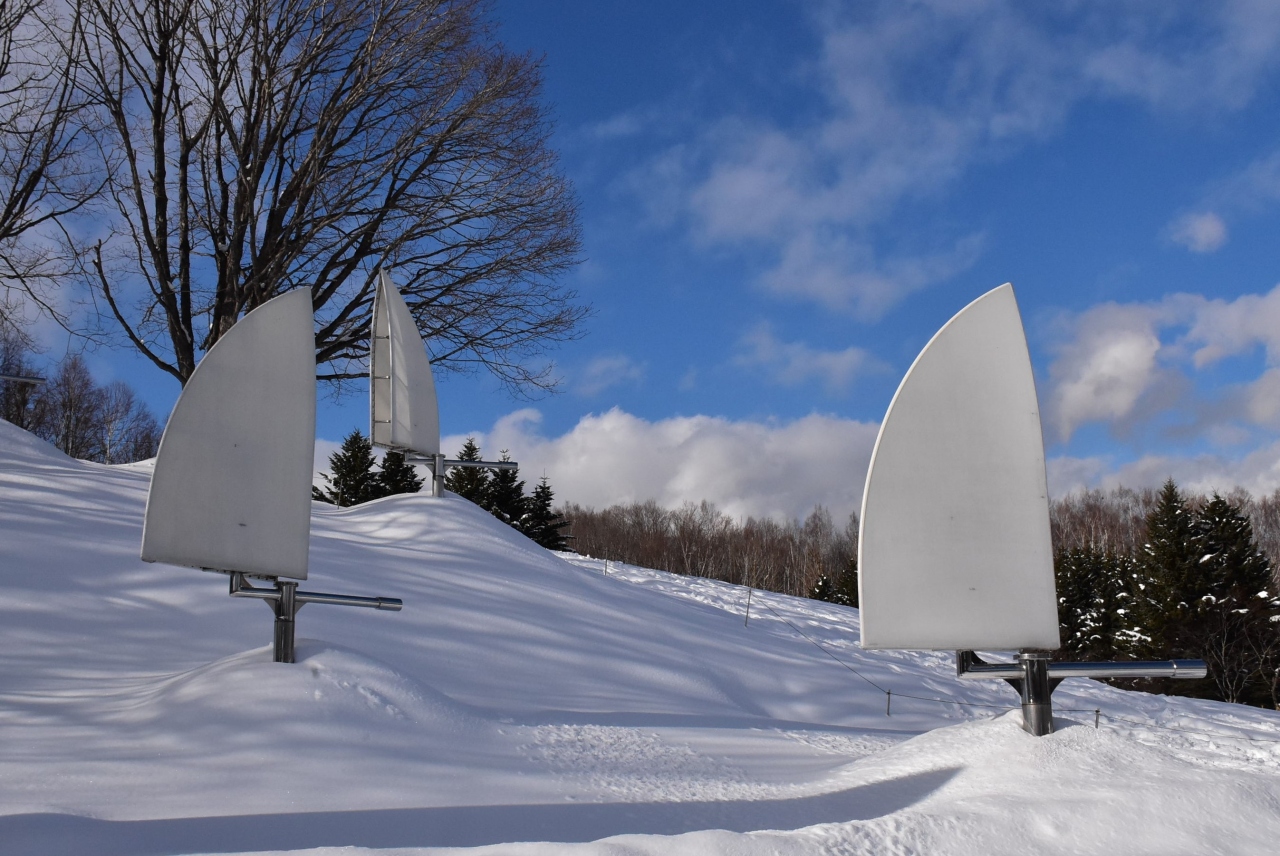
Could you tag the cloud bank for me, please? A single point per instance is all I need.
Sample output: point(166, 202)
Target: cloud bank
point(761, 469)
point(1136, 365)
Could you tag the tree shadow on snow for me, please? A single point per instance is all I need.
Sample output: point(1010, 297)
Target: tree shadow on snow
point(466, 826)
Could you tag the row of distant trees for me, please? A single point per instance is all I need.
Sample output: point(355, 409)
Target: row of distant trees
point(1140, 574)
point(356, 477)
point(700, 540)
point(104, 423)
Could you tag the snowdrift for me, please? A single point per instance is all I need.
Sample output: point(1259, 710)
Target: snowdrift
point(523, 696)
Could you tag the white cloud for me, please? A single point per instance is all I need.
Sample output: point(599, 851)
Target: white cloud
point(1222, 328)
point(1201, 233)
point(916, 92)
point(760, 469)
point(1254, 188)
point(1122, 364)
point(605, 371)
point(1101, 374)
point(794, 363)
point(1257, 472)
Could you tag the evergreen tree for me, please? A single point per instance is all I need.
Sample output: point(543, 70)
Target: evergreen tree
point(541, 523)
point(847, 585)
point(469, 482)
point(841, 588)
point(504, 496)
point(1235, 608)
point(1171, 582)
point(823, 589)
point(353, 480)
point(397, 476)
point(1092, 600)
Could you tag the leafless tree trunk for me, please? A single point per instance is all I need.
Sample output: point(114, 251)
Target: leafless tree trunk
point(267, 145)
point(44, 174)
point(67, 410)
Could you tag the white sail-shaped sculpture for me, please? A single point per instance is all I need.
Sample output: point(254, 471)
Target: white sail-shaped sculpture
point(232, 483)
point(403, 411)
point(954, 550)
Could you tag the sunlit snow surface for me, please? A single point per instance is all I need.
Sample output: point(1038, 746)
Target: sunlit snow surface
point(524, 697)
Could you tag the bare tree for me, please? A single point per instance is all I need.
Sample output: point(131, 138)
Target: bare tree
point(44, 174)
point(67, 410)
point(16, 398)
point(125, 427)
point(700, 540)
point(267, 145)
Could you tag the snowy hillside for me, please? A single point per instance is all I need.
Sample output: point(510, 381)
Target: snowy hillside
point(524, 696)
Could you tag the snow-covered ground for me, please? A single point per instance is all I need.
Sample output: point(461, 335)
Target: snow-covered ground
point(523, 696)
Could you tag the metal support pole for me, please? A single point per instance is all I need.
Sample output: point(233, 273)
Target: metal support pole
point(1035, 679)
point(1037, 694)
point(437, 475)
point(285, 600)
point(286, 608)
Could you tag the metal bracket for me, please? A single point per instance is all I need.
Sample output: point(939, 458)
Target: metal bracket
point(1035, 678)
point(440, 465)
point(285, 600)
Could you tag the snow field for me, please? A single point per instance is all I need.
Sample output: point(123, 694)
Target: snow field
point(524, 696)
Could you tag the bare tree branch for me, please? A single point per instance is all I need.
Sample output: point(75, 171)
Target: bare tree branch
point(267, 145)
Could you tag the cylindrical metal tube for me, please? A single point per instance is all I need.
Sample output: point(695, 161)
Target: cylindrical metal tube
point(389, 603)
point(1037, 696)
point(1186, 669)
point(486, 465)
point(286, 607)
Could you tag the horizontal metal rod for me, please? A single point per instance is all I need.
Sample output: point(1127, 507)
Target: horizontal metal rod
point(242, 588)
point(393, 604)
point(1187, 669)
point(486, 465)
point(21, 378)
point(415, 458)
point(1183, 669)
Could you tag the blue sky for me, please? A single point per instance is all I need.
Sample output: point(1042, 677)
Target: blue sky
point(782, 201)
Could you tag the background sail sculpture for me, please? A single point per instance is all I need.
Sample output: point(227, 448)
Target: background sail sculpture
point(954, 548)
point(231, 491)
point(404, 415)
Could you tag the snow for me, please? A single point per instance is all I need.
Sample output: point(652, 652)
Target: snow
point(525, 696)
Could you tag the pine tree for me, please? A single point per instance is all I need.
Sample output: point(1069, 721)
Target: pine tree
point(1234, 611)
point(847, 585)
point(469, 482)
point(541, 523)
point(823, 589)
point(841, 588)
point(504, 497)
point(1171, 583)
point(1091, 603)
point(353, 480)
point(397, 476)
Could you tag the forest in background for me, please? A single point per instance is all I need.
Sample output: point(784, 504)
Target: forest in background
point(1141, 574)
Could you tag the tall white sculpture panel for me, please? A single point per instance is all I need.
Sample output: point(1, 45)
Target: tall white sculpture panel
point(404, 414)
point(954, 548)
point(232, 483)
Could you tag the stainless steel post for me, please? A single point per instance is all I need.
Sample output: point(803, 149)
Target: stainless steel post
point(286, 607)
point(1035, 678)
point(1037, 694)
